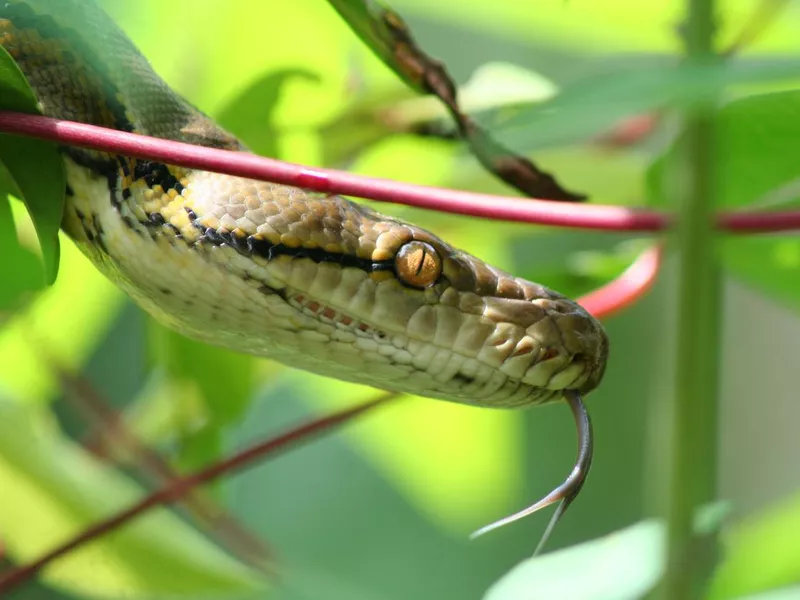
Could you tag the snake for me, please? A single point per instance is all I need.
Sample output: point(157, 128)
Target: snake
point(316, 281)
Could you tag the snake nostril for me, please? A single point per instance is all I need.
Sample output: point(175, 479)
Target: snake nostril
point(463, 379)
point(548, 354)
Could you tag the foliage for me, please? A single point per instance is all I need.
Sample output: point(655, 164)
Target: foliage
point(384, 510)
point(22, 162)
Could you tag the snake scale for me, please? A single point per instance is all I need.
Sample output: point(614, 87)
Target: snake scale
point(315, 281)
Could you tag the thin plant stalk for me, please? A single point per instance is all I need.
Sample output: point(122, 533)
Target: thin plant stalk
point(693, 444)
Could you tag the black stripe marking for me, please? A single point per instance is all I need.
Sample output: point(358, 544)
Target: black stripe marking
point(253, 246)
point(154, 174)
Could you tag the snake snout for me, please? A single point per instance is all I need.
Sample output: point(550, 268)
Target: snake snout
point(583, 342)
point(571, 345)
point(546, 343)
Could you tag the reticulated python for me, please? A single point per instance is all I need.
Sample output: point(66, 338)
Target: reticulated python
point(315, 281)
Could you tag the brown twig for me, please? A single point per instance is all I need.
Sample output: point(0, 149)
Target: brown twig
point(183, 485)
point(516, 170)
point(116, 434)
point(388, 35)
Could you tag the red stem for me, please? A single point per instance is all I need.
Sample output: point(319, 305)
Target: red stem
point(630, 286)
point(585, 216)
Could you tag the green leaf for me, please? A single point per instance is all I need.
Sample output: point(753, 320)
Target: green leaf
point(761, 553)
point(491, 84)
point(214, 384)
point(250, 115)
point(500, 85)
point(769, 264)
point(35, 167)
point(53, 489)
point(788, 593)
point(593, 105)
point(757, 167)
point(624, 565)
point(621, 566)
point(20, 269)
point(226, 379)
point(69, 319)
point(757, 164)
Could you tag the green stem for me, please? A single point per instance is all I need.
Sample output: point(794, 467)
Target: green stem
point(693, 473)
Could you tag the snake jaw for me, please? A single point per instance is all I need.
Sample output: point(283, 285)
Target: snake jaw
point(331, 316)
point(463, 357)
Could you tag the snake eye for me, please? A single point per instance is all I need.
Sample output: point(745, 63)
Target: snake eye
point(418, 264)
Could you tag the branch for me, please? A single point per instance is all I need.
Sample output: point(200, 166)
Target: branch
point(622, 292)
point(114, 432)
point(585, 216)
point(178, 488)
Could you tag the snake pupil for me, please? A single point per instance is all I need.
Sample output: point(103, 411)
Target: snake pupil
point(421, 263)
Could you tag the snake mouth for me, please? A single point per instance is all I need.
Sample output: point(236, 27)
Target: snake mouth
point(331, 316)
point(445, 371)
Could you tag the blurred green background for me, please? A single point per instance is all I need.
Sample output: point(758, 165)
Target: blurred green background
point(381, 510)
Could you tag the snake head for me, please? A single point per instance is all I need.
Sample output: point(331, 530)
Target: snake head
point(537, 342)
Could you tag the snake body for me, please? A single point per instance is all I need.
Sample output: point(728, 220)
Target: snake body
point(315, 281)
